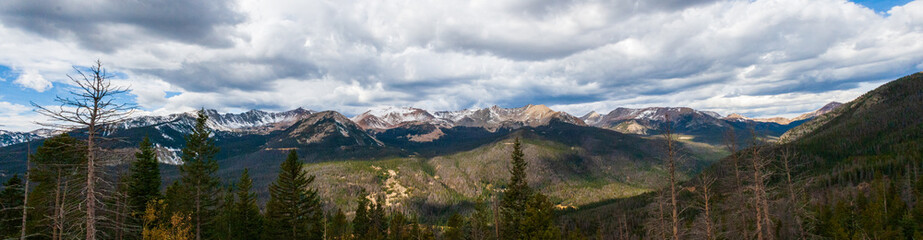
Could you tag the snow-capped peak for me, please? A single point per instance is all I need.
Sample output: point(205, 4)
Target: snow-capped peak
point(388, 117)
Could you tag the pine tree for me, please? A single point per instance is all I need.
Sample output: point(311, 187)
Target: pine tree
point(516, 196)
point(175, 198)
point(453, 229)
point(198, 180)
point(396, 226)
point(11, 207)
point(293, 208)
point(538, 220)
point(54, 200)
point(361, 220)
point(144, 179)
point(248, 222)
point(377, 218)
point(339, 226)
point(226, 218)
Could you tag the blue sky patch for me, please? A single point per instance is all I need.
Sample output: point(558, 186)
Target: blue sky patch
point(881, 6)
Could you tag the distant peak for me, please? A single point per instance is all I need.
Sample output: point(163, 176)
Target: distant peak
point(735, 116)
point(540, 107)
point(591, 114)
point(382, 111)
point(300, 110)
point(831, 106)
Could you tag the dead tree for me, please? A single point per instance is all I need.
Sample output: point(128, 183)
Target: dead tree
point(671, 161)
point(707, 195)
point(738, 198)
point(786, 156)
point(25, 195)
point(91, 108)
point(758, 186)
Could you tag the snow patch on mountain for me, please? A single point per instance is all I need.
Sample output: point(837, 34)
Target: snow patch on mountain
point(9, 138)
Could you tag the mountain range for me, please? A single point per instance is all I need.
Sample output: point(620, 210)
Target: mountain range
point(431, 162)
point(646, 121)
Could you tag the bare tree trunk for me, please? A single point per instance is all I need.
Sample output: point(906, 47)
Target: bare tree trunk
point(198, 213)
point(91, 176)
point(730, 141)
point(671, 158)
point(759, 196)
point(787, 157)
point(706, 199)
point(663, 226)
point(25, 198)
point(757, 205)
point(58, 215)
point(496, 217)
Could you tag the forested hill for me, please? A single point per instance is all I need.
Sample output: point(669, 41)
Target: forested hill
point(856, 172)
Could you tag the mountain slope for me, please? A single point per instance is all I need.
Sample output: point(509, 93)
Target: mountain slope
point(9, 138)
point(574, 165)
point(389, 117)
point(704, 126)
point(845, 165)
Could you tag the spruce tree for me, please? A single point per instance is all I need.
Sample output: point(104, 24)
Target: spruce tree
point(175, 199)
point(248, 222)
point(226, 218)
point(293, 206)
point(538, 221)
point(144, 178)
point(339, 226)
point(377, 220)
point(517, 195)
point(361, 221)
point(396, 226)
point(198, 180)
point(11, 207)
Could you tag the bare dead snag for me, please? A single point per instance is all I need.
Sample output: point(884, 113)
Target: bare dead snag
point(92, 107)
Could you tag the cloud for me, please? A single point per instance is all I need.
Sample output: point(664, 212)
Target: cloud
point(17, 117)
point(760, 58)
point(108, 25)
point(32, 79)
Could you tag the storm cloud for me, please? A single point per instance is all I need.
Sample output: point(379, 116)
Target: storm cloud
point(759, 58)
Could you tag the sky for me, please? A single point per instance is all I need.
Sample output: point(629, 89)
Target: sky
point(759, 58)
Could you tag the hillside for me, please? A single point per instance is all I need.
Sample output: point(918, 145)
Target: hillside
point(859, 156)
point(574, 165)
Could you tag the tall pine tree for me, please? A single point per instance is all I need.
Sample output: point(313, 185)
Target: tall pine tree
point(11, 207)
point(144, 178)
point(517, 194)
point(338, 226)
point(293, 206)
point(248, 223)
point(526, 213)
point(198, 180)
point(361, 221)
point(225, 219)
